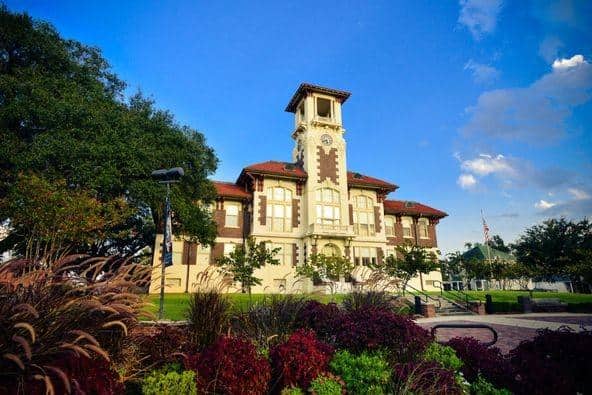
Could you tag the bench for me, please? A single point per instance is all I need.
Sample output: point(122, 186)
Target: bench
point(548, 305)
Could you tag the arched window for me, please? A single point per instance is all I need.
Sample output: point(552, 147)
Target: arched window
point(422, 228)
point(331, 250)
point(327, 206)
point(364, 216)
point(279, 209)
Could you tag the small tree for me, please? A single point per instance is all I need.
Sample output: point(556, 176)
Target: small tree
point(329, 269)
point(409, 261)
point(244, 260)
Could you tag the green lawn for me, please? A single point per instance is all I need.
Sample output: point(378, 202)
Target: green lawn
point(176, 304)
point(512, 296)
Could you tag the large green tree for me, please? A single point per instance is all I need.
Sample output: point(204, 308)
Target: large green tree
point(409, 261)
point(66, 127)
point(557, 247)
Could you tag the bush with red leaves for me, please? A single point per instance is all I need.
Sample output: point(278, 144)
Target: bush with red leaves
point(556, 362)
point(321, 318)
point(370, 328)
point(232, 366)
point(425, 377)
point(159, 344)
point(299, 360)
point(479, 359)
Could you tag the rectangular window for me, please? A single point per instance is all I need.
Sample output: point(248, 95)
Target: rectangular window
point(284, 254)
point(390, 251)
point(407, 227)
point(324, 107)
point(365, 256)
point(228, 248)
point(389, 226)
point(422, 228)
point(232, 211)
point(173, 282)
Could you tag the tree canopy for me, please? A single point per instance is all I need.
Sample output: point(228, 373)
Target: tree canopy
point(409, 261)
point(70, 138)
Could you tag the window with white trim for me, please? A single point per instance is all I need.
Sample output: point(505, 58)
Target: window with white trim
point(389, 252)
point(422, 228)
point(365, 256)
point(389, 226)
point(364, 216)
point(328, 211)
point(228, 248)
point(324, 108)
point(407, 222)
point(284, 253)
point(232, 213)
point(279, 209)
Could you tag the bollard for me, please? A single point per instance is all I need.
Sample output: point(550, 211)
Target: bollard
point(488, 304)
point(417, 305)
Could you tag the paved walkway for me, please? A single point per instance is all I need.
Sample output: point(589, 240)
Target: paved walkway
point(511, 328)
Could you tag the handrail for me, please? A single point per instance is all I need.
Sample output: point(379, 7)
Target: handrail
point(459, 297)
point(460, 326)
point(424, 294)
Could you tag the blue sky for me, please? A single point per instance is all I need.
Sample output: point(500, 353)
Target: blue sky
point(465, 105)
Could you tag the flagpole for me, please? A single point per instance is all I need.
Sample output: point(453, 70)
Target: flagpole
point(486, 237)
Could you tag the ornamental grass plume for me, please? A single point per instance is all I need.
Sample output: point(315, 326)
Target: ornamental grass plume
point(56, 315)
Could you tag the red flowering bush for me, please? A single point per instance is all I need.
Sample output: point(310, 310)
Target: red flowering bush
point(299, 360)
point(321, 318)
point(426, 377)
point(479, 359)
point(555, 362)
point(370, 329)
point(232, 366)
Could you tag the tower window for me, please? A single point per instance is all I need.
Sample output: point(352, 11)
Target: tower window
point(301, 110)
point(324, 107)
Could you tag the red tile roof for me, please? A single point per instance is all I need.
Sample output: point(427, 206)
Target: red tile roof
point(357, 179)
point(229, 189)
point(411, 208)
point(285, 169)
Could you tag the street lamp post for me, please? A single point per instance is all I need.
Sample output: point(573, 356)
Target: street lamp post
point(167, 177)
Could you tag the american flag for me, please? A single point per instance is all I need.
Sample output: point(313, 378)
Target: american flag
point(485, 228)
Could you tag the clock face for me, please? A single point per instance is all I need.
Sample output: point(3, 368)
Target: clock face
point(326, 139)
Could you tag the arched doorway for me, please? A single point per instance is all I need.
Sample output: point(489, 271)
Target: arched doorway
point(331, 250)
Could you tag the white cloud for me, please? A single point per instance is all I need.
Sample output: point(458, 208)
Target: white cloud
point(579, 194)
point(466, 181)
point(479, 16)
point(549, 48)
point(544, 205)
point(575, 60)
point(486, 164)
point(536, 113)
point(482, 73)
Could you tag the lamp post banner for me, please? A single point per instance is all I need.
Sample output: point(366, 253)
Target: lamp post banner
point(168, 238)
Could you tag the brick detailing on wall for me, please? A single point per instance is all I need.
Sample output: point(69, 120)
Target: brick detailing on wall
point(379, 255)
point(348, 252)
point(327, 165)
point(295, 213)
point(377, 219)
point(431, 240)
point(262, 210)
point(223, 231)
point(294, 255)
point(351, 214)
point(189, 256)
point(216, 252)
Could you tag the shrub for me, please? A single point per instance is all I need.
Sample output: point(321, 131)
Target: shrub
point(357, 300)
point(321, 318)
point(373, 329)
point(479, 359)
point(272, 320)
point(169, 382)
point(554, 362)
point(207, 315)
point(299, 360)
point(425, 377)
point(231, 365)
point(59, 316)
point(444, 355)
point(292, 391)
point(366, 373)
point(159, 344)
point(484, 387)
point(327, 384)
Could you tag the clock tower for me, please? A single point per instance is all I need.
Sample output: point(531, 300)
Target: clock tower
point(321, 150)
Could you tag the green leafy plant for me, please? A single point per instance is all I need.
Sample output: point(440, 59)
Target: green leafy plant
point(169, 381)
point(366, 373)
point(484, 387)
point(292, 391)
point(357, 300)
point(444, 355)
point(327, 385)
point(409, 261)
point(207, 316)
